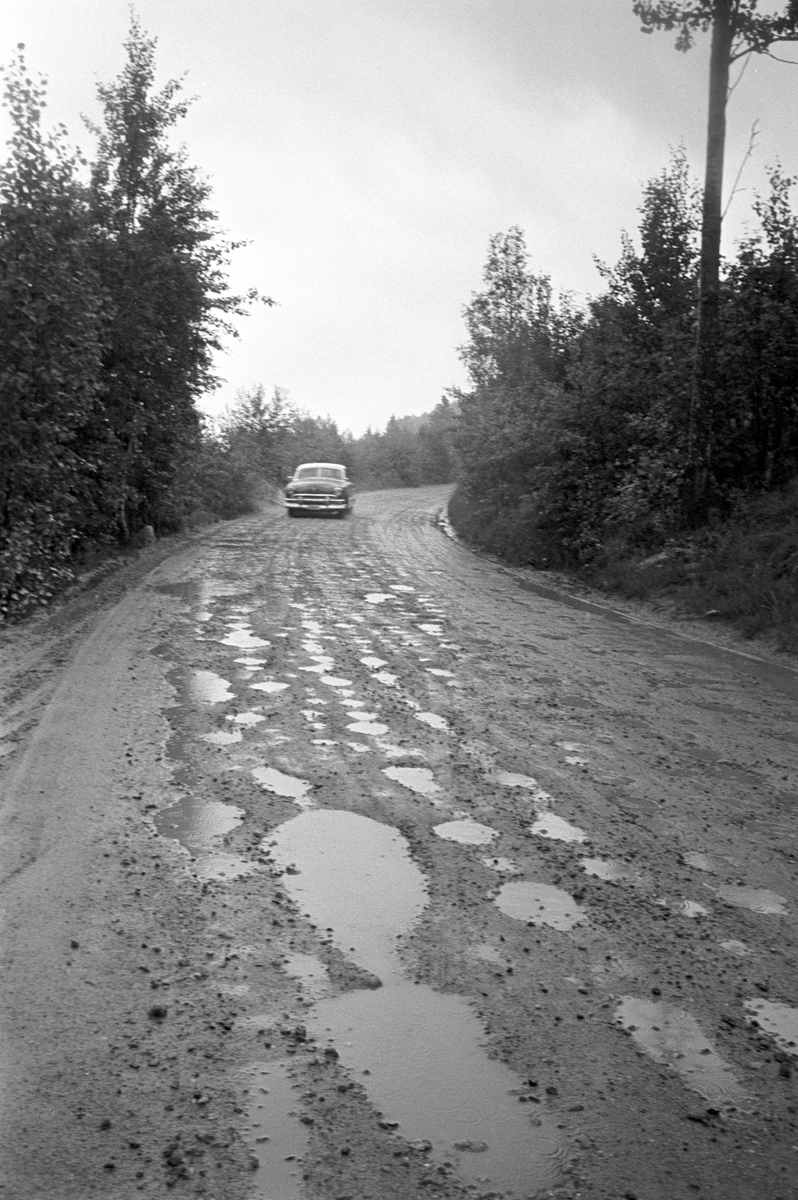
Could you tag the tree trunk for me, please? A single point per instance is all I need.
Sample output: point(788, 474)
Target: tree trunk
point(699, 433)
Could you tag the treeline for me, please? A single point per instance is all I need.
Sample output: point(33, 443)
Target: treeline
point(573, 435)
point(113, 298)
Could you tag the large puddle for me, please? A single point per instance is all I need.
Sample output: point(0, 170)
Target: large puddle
point(418, 1053)
point(672, 1036)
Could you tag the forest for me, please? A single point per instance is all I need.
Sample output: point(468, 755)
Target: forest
point(578, 443)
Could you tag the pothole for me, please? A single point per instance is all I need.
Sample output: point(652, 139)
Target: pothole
point(758, 900)
point(281, 784)
point(672, 1036)
point(539, 904)
point(433, 720)
point(470, 833)
point(551, 826)
point(777, 1019)
point(417, 1053)
point(210, 688)
point(417, 779)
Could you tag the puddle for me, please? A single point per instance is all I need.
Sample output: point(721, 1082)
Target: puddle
point(504, 866)
point(433, 720)
point(574, 760)
point(401, 587)
point(758, 900)
point(252, 662)
point(274, 1134)
point(777, 1019)
point(378, 597)
point(417, 779)
point(284, 785)
point(358, 747)
point(355, 876)
point(247, 718)
point(690, 908)
point(440, 671)
point(269, 686)
point(335, 681)
point(470, 833)
point(540, 904)
point(699, 861)
point(672, 1036)
point(243, 639)
point(387, 678)
point(426, 1068)
point(609, 870)
point(427, 1071)
point(433, 630)
point(210, 688)
point(223, 737)
point(369, 660)
point(513, 780)
point(197, 824)
point(738, 948)
point(372, 727)
point(551, 826)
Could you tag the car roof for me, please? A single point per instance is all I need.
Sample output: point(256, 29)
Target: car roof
point(338, 466)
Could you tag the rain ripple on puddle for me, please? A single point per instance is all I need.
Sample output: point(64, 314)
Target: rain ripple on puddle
point(672, 1036)
point(470, 833)
point(759, 900)
point(610, 870)
point(539, 904)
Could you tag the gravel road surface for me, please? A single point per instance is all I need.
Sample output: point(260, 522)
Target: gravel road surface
point(338, 862)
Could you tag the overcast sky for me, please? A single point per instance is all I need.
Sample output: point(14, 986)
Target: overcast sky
point(368, 149)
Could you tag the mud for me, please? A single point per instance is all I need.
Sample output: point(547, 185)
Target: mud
point(340, 862)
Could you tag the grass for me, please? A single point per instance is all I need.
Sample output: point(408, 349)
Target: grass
point(743, 571)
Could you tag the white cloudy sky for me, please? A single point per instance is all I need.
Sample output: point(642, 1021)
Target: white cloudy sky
point(368, 149)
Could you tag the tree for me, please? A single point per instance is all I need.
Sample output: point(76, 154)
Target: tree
point(737, 30)
point(163, 264)
point(51, 339)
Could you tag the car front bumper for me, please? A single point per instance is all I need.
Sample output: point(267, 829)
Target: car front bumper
point(308, 503)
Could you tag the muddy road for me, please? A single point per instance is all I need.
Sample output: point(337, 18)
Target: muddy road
point(338, 862)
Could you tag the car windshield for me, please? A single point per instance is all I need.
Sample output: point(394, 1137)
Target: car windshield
point(320, 473)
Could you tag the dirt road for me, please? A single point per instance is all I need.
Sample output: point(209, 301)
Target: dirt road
point(338, 862)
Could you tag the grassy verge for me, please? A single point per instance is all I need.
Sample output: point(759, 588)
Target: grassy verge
point(743, 571)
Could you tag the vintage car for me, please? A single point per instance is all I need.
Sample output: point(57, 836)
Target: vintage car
point(319, 488)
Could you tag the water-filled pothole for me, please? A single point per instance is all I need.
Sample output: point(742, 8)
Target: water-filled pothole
point(355, 876)
point(433, 720)
point(197, 824)
point(244, 639)
point(281, 784)
point(539, 904)
point(375, 728)
point(551, 826)
point(610, 870)
point(759, 900)
point(672, 1036)
point(427, 1071)
point(777, 1019)
point(417, 779)
point(210, 688)
point(470, 833)
point(417, 1053)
